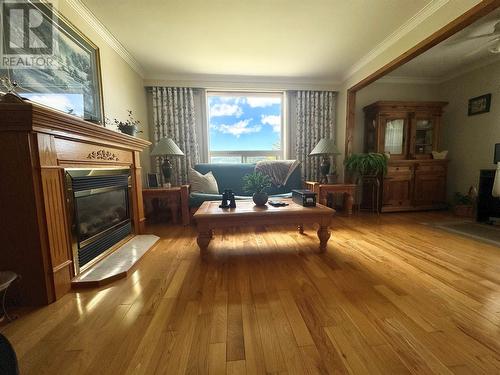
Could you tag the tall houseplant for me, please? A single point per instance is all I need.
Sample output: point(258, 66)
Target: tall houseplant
point(364, 165)
point(256, 183)
point(367, 170)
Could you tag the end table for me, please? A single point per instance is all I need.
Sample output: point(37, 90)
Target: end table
point(322, 190)
point(176, 198)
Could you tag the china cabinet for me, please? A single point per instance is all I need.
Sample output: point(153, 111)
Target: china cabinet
point(408, 132)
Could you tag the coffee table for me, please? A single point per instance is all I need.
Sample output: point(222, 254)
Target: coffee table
point(209, 217)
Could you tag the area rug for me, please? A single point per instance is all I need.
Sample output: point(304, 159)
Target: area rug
point(482, 232)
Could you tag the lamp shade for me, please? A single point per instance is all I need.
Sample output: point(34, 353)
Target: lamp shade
point(166, 146)
point(325, 146)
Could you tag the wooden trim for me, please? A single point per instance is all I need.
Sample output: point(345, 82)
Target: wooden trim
point(62, 265)
point(62, 125)
point(469, 17)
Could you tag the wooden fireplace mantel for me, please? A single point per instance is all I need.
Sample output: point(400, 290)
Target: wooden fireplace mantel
point(36, 145)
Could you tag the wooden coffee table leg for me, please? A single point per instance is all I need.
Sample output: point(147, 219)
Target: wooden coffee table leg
point(324, 236)
point(203, 240)
point(301, 228)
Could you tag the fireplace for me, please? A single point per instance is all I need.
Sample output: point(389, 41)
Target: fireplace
point(99, 208)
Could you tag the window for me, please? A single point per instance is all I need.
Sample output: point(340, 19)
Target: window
point(245, 127)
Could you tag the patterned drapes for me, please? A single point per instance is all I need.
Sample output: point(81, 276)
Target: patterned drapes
point(315, 120)
point(174, 117)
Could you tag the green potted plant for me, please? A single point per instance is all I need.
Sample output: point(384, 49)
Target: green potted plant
point(256, 183)
point(367, 171)
point(129, 126)
point(366, 165)
point(463, 205)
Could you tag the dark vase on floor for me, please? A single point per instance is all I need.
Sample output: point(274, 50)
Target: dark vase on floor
point(260, 199)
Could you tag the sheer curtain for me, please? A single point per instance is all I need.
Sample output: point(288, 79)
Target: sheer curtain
point(315, 119)
point(394, 136)
point(174, 116)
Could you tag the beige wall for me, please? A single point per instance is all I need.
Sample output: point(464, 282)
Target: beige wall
point(123, 88)
point(387, 91)
point(470, 140)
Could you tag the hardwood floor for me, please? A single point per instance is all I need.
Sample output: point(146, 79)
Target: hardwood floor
point(390, 296)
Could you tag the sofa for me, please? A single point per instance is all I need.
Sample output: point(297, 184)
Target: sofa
point(230, 176)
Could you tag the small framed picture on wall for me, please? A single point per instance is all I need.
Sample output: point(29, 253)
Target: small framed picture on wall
point(153, 180)
point(479, 104)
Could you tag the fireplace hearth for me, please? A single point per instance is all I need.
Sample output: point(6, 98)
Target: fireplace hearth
point(99, 210)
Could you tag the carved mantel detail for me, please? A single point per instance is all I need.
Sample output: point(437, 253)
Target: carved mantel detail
point(102, 155)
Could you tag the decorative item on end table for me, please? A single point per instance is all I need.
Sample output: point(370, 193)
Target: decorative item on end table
point(257, 183)
point(166, 147)
point(479, 104)
point(153, 180)
point(326, 148)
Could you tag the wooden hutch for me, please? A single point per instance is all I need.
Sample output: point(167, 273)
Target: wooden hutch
point(408, 132)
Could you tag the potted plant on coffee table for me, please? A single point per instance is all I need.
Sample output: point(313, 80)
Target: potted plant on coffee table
point(256, 183)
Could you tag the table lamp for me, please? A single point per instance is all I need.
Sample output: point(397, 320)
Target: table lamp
point(166, 147)
point(325, 147)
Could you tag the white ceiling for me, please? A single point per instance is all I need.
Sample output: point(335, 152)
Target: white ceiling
point(307, 39)
point(454, 55)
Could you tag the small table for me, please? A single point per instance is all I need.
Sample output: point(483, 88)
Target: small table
point(322, 190)
point(209, 217)
point(176, 197)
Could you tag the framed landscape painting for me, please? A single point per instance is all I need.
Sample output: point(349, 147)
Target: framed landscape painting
point(55, 64)
point(479, 104)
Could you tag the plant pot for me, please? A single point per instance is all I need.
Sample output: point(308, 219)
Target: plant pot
point(260, 199)
point(331, 178)
point(463, 210)
point(130, 131)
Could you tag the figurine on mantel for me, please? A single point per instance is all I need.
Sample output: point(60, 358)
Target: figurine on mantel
point(11, 86)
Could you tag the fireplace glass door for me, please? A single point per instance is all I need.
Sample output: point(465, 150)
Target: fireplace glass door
point(100, 210)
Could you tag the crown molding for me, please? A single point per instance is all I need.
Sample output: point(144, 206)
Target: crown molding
point(494, 59)
point(409, 80)
point(89, 17)
point(209, 81)
point(402, 31)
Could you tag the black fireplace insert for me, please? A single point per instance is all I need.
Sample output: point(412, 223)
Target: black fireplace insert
point(99, 206)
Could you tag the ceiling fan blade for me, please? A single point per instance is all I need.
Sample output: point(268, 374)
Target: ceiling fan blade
point(482, 46)
point(464, 39)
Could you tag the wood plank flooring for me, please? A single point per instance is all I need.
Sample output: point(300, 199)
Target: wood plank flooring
point(390, 296)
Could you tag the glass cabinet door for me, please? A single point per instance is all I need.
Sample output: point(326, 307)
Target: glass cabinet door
point(424, 136)
point(394, 136)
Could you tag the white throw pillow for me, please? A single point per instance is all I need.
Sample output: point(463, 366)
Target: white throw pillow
point(202, 183)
